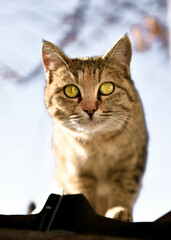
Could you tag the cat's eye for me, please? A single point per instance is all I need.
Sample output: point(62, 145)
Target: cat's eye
point(106, 88)
point(71, 91)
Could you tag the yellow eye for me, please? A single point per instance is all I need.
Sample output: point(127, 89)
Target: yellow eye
point(71, 91)
point(106, 88)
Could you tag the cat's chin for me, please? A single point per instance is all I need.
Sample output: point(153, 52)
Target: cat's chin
point(90, 127)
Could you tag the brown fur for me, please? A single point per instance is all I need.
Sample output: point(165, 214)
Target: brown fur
point(102, 156)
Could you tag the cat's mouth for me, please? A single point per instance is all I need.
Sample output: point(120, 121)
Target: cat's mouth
point(92, 122)
point(100, 123)
point(89, 125)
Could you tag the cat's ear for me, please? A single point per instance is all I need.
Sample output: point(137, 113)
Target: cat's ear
point(53, 57)
point(121, 52)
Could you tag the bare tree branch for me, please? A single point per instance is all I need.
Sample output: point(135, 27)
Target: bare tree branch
point(8, 73)
point(76, 21)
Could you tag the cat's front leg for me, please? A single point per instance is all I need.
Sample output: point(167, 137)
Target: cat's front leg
point(120, 213)
point(124, 188)
point(86, 186)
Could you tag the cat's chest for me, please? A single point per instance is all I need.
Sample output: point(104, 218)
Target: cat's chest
point(97, 157)
point(100, 157)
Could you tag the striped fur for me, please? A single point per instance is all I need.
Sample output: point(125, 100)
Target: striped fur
point(104, 156)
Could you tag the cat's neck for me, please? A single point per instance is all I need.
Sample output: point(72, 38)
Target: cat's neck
point(61, 131)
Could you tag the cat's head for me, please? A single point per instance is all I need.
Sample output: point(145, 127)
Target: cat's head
point(89, 94)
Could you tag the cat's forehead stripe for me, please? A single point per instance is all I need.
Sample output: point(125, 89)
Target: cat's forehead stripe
point(88, 74)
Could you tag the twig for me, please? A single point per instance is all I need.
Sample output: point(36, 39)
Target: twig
point(77, 22)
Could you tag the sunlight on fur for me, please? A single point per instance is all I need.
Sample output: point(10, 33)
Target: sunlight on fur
point(99, 131)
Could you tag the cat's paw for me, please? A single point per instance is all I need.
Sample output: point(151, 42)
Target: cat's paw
point(119, 213)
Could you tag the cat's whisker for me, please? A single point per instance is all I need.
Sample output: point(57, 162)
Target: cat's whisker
point(107, 111)
point(120, 124)
point(132, 122)
point(73, 115)
point(49, 136)
point(76, 117)
point(105, 115)
point(130, 134)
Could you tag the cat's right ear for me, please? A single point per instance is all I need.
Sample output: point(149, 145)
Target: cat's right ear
point(121, 52)
point(53, 57)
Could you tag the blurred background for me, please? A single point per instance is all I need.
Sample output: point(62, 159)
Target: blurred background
point(80, 28)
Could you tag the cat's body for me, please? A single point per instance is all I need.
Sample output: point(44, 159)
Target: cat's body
point(99, 135)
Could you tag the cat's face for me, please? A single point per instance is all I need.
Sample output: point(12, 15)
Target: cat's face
point(89, 95)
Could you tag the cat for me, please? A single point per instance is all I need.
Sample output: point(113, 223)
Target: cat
point(99, 136)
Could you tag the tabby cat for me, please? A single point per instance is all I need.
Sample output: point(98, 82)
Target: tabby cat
point(99, 136)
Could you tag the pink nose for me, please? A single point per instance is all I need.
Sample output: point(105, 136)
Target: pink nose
point(90, 110)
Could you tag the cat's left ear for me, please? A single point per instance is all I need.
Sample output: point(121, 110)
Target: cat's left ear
point(120, 53)
point(53, 57)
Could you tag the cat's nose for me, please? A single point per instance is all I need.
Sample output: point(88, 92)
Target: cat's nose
point(90, 111)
